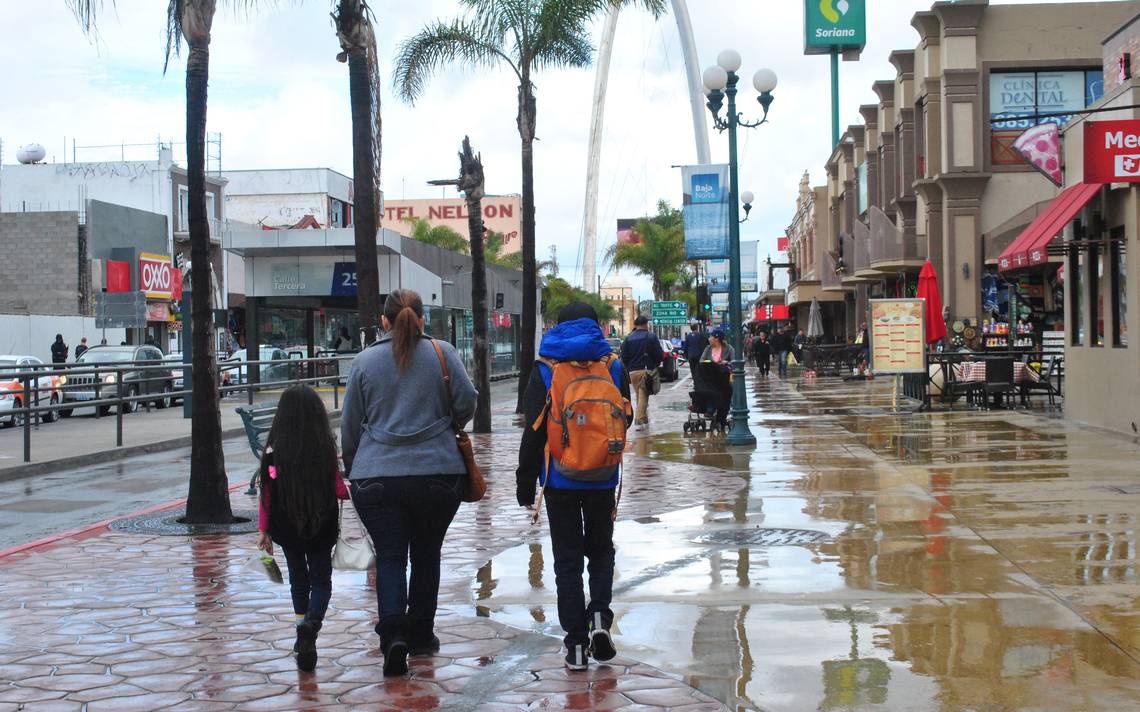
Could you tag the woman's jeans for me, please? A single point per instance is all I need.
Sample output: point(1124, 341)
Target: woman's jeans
point(310, 581)
point(407, 518)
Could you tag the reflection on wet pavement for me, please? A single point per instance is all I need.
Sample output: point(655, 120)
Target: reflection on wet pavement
point(962, 560)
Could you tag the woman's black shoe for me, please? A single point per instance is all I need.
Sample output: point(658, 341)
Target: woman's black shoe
point(395, 658)
point(307, 644)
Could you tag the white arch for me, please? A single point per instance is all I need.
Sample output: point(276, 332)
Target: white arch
point(594, 155)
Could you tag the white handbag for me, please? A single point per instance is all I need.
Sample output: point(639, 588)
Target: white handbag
point(352, 554)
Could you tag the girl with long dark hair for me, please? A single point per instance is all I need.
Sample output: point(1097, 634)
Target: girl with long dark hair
point(404, 468)
point(300, 485)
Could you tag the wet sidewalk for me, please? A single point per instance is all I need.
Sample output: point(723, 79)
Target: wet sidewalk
point(857, 559)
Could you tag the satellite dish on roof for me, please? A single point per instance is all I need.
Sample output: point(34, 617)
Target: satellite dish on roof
point(31, 153)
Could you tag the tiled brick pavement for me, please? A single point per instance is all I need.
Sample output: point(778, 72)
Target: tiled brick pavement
point(119, 621)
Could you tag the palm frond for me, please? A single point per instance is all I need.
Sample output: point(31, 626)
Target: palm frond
point(87, 14)
point(562, 33)
point(656, 8)
point(437, 45)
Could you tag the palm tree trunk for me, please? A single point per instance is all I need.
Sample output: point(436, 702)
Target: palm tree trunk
point(364, 199)
point(209, 497)
point(526, 123)
point(482, 422)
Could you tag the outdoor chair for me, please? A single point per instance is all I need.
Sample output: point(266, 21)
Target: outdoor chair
point(999, 380)
point(1045, 385)
point(954, 388)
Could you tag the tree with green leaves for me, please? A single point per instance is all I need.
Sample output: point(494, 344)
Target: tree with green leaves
point(208, 501)
point(352, 20)
point(659, 252)
point(558, 293)
point(526, 36)
point(438, 235)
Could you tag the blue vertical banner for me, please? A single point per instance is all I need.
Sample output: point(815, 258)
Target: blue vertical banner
point(705, 208)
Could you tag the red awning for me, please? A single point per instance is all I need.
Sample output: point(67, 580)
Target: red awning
point(1029, 248)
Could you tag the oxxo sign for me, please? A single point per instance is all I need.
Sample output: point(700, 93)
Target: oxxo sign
point(155, 275)
point(1112, 151)
point(834, 25)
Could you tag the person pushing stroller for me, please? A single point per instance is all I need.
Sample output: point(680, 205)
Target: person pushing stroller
point(716, 364)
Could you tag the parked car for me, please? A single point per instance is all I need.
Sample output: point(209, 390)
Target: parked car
point(12, 396)
point(80, 388)
point(668, 369)
point(235, 369)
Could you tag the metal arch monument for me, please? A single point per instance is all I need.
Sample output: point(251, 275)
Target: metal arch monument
point(594, 156)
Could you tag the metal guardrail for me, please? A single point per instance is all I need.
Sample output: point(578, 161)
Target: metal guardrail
point(43, 392)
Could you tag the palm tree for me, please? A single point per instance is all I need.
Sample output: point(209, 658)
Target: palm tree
point(659, 254)
point(191, 20)
point(527, 36)
point(353, 22)
point(438, 235)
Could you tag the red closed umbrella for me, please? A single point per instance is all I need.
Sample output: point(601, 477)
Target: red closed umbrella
point(928, 290)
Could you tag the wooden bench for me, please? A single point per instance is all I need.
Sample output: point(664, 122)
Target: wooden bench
point(257, 421)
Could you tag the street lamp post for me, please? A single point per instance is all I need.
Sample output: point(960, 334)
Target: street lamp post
point(720, 80)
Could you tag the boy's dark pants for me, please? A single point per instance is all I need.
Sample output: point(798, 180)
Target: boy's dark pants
point(582, 527)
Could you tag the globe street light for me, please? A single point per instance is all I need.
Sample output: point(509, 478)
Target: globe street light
point(720, 81)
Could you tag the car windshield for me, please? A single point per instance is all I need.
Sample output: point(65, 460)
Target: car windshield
point(106, 355)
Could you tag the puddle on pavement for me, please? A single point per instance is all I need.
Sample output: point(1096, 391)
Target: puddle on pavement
point(909, 598)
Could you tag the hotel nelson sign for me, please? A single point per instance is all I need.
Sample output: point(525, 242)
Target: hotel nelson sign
point(834, 25)
point(1112, 151)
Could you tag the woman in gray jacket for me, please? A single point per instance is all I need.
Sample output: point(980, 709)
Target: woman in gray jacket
point(405, 472)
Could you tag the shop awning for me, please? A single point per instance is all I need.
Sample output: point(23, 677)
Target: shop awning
point(1030, 247)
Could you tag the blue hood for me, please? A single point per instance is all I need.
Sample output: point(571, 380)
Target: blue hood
point(577, 340)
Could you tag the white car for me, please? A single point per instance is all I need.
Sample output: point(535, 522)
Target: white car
point(236, 369)
point(12, 389)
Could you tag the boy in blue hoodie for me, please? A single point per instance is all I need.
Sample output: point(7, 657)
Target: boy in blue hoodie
point(581, 514)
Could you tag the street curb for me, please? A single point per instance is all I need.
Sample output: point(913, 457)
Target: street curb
point(80, 531)
point(19, 472)
point(32, 469)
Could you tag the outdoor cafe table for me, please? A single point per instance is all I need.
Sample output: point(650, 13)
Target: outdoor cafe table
point(975, 372)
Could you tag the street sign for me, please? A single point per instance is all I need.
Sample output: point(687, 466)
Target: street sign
point(669, 313)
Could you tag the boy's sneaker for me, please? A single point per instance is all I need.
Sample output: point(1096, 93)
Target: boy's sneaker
point(601, 643)
point(577, 657)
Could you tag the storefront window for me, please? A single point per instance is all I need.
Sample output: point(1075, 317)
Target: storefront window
point(1075, 274)
point(503, 346)
point(284, 329)
point(1098, 290)
point(1119, 291)
point(1017, 98)
point(331, 328)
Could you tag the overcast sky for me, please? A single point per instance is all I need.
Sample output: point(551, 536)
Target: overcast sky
point(280, 100)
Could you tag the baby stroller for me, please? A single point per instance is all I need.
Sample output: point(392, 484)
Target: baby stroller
point(708, 404)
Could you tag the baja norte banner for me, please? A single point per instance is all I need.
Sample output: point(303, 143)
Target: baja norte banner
point(705, 208)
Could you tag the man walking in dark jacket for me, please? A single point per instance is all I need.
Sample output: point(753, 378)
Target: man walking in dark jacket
point(59, 350)
point(581, 513)
point(641, 354)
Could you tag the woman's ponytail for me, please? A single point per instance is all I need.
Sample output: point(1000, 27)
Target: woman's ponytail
point(404, 309)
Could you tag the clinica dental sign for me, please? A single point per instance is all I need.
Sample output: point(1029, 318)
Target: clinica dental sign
point(834, 25)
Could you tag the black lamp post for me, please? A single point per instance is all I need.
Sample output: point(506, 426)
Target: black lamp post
point(720, 80)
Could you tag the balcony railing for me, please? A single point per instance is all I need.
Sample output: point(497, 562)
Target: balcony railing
point(889, 245)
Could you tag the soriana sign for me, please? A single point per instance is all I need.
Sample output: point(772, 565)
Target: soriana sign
point(155, 275)
point(1112, 151)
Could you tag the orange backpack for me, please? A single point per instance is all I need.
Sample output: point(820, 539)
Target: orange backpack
point(586, 418)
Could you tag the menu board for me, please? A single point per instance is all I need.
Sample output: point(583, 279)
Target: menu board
point(897, 336)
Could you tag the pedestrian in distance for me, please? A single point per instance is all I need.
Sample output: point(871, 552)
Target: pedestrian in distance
point(782, 346)
point(580, 476)
point(762, 353)
point(717, 363)
point(405, 472)
point(641, 354)
point(59, 350)
point(695, 342)
point(297, 510)
point(81, 348)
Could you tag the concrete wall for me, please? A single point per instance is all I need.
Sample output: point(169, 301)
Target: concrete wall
point(144, 185)
point(1071, 30)
point(33, 334)
point(276, 210)
point(289, 181)
point(41, 271)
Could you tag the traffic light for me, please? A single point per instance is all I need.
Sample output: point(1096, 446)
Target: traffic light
point(498, 300)
point(703, 298)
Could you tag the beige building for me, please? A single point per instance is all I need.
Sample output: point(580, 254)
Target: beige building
point(814, 275)
point(619, 292)
point(932, 172)
point(1102, 367)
